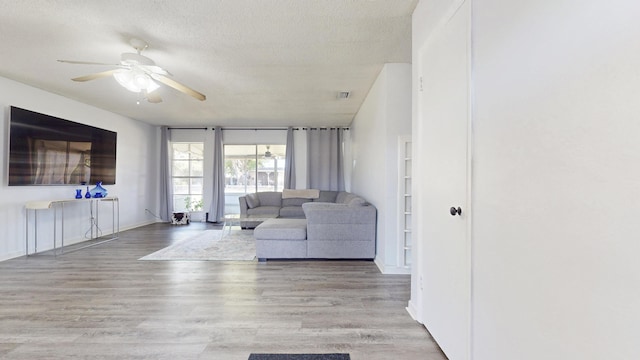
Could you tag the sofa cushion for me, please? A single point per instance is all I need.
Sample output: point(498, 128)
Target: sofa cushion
point(345, 197)
point(252, 200)
point(264, 210)
point(327, 196)
point(326, 214)
point(292, 212)
point(350, 199)
point(270, 198)
point(294, 202)
point(281, 229)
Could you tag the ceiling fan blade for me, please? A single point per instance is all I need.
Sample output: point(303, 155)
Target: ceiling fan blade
point(85, 62)
point(96, 75)
point(178, 86)
point(154, 97)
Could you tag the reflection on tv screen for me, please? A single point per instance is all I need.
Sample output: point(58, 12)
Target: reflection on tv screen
point(46, 150)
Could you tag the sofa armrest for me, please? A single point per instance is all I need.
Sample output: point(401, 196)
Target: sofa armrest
point(243, 205)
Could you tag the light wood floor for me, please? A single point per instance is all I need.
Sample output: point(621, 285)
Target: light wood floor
point(102, 303)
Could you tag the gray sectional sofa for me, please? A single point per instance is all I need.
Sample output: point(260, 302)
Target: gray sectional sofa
point(266, 204)
point(333, 225)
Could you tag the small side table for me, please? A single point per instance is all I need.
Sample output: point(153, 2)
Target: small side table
point(228, 221)
point(236, 219)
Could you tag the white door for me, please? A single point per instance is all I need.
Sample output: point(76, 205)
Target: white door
point(443, 113)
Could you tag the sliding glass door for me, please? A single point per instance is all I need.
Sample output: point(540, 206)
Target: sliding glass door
point(251, 168)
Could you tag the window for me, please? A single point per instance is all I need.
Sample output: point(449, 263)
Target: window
point(187, 173)
point(251, 168)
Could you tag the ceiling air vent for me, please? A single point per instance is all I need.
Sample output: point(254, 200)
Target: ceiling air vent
point(343, 95)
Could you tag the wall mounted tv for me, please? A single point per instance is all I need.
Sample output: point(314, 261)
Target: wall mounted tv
point(46, 150)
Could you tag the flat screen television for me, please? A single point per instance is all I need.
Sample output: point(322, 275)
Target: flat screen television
point(46, 150)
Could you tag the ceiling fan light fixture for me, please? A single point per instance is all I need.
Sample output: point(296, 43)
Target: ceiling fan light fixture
point(124, 78)
point(135, 81)
point(139, 74)
point(132, 59)
point(152, 85)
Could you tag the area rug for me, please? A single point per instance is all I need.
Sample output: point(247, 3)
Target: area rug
point(238, 245)
point(299, 357)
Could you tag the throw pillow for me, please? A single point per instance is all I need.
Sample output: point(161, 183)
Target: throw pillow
point(252, 200)
point(300, 193)
point(327, 196)
point(357, 201)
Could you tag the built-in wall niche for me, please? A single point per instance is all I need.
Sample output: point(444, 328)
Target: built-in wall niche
point(405, 242)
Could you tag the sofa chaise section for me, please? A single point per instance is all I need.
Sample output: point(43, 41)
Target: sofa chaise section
point(282, 239)
point(340, 231)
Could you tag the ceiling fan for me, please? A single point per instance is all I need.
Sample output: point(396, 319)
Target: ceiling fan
point(139, 74)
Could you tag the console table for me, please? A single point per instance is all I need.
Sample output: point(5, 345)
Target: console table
point(58, 205)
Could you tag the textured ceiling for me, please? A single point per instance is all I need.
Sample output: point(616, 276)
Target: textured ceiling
point(259, 62)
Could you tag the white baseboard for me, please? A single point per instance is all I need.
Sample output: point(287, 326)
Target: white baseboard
point(390, 269)
point(124, 228)
point(411, 309)
point(12, 255)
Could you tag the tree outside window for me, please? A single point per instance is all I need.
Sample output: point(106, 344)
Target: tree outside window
point(252, 168)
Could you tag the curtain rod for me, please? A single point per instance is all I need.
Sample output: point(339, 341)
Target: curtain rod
point(322, 128)
point(187, 128)
point(256, 129)
point(295, 128)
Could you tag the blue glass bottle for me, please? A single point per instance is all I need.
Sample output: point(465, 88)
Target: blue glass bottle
point(98, 191)
point(78, 193)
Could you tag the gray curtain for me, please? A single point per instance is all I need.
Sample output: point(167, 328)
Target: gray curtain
point(325, 161)
point(216, 211)
point(289, 163)
point(166, 185)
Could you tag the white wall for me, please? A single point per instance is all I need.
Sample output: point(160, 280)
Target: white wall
point(384, 116)
point(556, 181)
point(136, 173)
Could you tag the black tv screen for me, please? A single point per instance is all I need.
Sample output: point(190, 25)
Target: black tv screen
point(46, 150)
